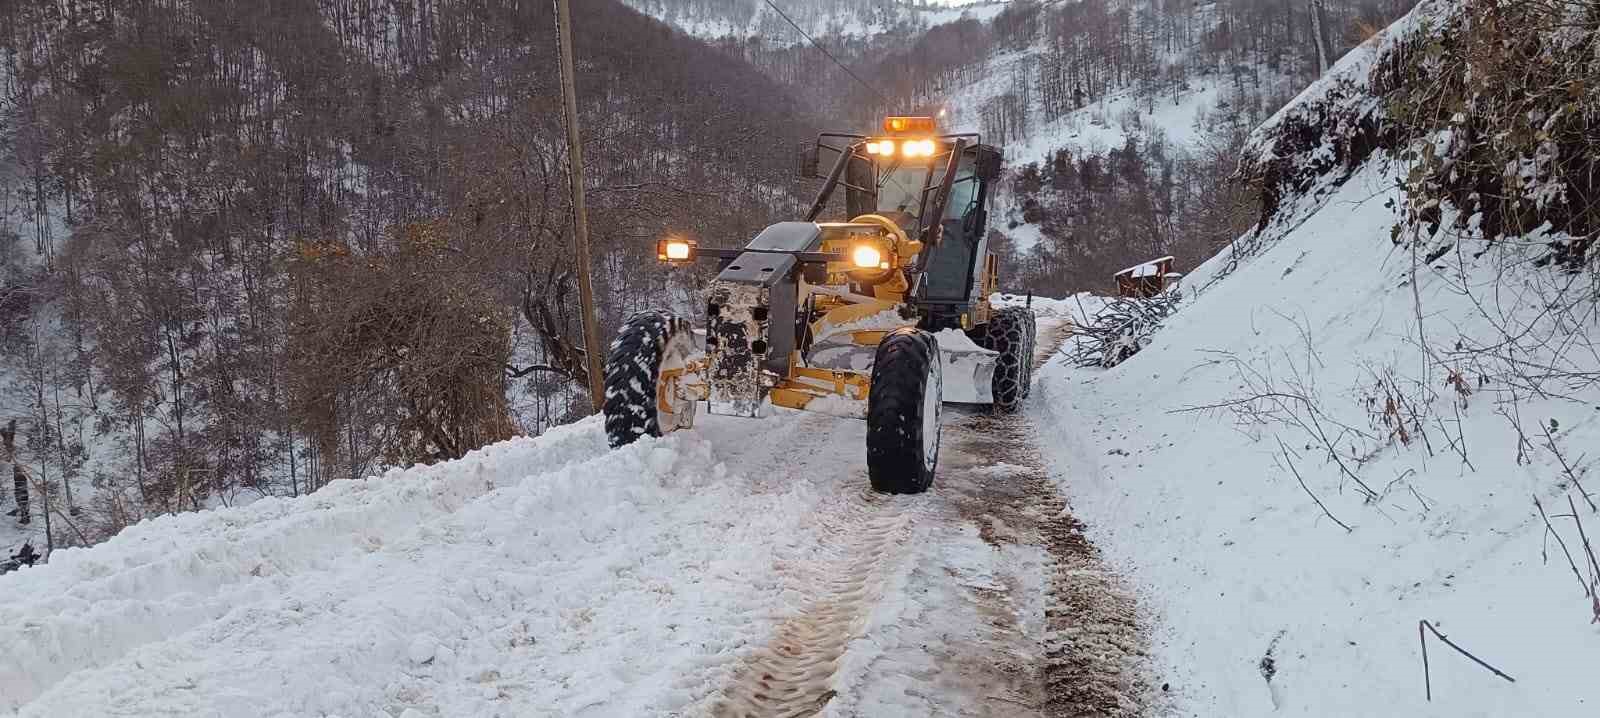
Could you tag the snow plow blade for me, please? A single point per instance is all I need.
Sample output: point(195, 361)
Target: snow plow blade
point(968, 372)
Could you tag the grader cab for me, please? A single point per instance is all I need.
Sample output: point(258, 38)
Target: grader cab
point(841, 317)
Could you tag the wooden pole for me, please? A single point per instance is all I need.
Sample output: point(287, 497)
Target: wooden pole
point(580, 219)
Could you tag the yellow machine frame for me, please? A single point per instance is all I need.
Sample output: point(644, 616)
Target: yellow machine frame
point(839, 309)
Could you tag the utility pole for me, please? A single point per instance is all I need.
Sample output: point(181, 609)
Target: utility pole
point(580, 218)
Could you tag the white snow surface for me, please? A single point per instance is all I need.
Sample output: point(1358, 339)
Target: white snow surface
point(968, 368)
point(544, 576)
point(1234, 558)
point(955, 340)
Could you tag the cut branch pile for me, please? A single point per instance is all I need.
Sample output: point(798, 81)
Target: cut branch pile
point(1121, 329)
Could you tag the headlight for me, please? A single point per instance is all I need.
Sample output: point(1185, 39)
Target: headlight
point(866, 256)
point(675, 250)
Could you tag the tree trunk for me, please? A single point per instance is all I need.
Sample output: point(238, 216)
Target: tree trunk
point(1319, 27)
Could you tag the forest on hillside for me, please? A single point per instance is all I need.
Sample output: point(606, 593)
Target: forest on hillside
point(1039, 63)
point(248, 249)
point(1099, 209)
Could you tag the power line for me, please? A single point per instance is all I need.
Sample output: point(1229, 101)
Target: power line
point(825, 52)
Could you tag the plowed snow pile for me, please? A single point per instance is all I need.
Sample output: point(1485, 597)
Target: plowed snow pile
point(1294, 395)
point(535, 577)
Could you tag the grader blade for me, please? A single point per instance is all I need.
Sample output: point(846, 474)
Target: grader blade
point(968, 369)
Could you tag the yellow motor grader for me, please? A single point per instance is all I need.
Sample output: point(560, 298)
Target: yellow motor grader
point(844, 317)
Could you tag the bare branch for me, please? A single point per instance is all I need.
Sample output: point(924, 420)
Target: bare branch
point(1290, 462)
point(1423, 638)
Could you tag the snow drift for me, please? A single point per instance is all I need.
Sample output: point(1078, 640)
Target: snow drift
point(536, 576)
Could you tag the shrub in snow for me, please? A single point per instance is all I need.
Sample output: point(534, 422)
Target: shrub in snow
point(1119, 330)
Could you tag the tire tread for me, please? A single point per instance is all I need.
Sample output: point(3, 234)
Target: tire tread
point(894, 412)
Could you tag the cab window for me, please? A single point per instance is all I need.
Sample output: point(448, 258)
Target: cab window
point(900, 189)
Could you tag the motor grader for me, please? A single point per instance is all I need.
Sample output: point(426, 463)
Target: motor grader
point(844, 317)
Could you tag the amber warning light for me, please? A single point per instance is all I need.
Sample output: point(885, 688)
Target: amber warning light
point(899, 124)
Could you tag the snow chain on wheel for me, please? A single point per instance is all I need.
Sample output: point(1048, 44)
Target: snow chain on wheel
point(1009, 332)
point(648, 344)
point(903, 411)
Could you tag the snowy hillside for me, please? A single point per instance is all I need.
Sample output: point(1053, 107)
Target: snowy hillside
point(744, 19)
point(1204, 508)
point(1104, 122)
point(26, 243)
point(1122, 121)
point(1297, 472)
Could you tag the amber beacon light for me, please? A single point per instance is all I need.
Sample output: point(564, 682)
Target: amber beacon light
point(898, 124)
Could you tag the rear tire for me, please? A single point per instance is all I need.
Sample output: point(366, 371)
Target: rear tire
point(1010, 332)
point(647, 344)
point(903, 412)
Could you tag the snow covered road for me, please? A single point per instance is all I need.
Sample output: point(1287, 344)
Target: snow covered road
point(742, 568)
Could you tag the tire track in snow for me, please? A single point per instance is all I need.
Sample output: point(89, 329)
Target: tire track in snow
point(793, 673)
point(973, 642)
point(965, 637)
point(1013, 614)
point(1093, 645)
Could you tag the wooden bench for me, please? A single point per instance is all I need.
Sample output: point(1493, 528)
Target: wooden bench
point(1147, 279)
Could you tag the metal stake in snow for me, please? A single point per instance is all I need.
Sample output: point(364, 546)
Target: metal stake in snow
point(580, 219)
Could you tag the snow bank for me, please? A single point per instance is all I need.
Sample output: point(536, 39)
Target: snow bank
point(544, 576)
point(1243, 568)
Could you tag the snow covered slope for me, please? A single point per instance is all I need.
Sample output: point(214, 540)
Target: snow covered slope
point(744, 19)
point(1297, 472)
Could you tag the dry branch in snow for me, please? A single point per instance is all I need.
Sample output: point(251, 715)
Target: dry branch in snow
point(1121, 329)
point(1427, 680)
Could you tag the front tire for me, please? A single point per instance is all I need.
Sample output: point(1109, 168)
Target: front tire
point(640, 395)
point(903, 412)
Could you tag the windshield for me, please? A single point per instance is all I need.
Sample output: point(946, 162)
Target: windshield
point(900, 189)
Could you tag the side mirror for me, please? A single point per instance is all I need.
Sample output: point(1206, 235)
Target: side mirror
point(989, 161)
point(806, 161)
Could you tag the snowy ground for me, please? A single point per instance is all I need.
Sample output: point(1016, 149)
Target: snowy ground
point(522, 580)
